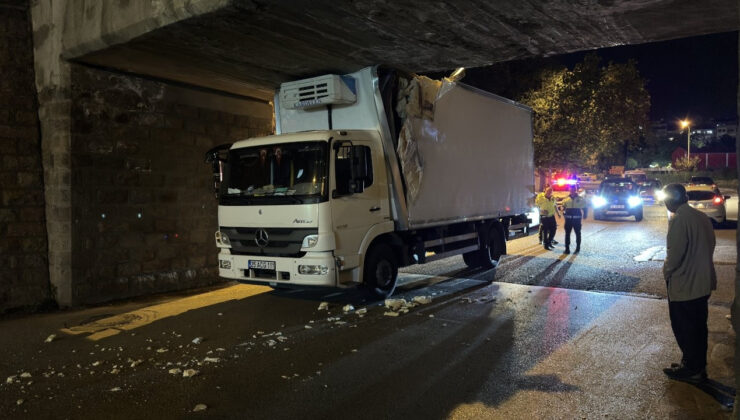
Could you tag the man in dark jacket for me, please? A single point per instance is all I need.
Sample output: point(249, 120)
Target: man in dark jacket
point(690, 277)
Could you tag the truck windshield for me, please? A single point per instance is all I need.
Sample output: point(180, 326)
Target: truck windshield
point(290, 173)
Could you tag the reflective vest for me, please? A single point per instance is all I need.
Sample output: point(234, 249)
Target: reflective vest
point(575, 207)
point(546, 205)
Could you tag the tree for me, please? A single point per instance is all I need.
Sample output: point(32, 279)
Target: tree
point(591, 116)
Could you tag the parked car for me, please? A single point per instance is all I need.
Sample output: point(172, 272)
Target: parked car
point(617, 197)
point(702, 180)
point(706, 199)
point(638, 177)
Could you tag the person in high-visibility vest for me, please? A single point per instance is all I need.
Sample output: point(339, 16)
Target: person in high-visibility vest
point(548, 210)
point(575, 208)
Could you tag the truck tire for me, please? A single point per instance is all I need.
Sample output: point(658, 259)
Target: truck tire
point(471, 259)
point(489, 257)
point(380, 271)
point(638, 216)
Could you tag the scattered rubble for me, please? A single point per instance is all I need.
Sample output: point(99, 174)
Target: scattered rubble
point(361, 311)
point(136, 363)
point(395, 304)
point(200, 407)
point(323, 306)
point(19, 402)
point(25, 375)
point(348, 308)
point(422, 300)
point(162, 350)
point(175, 371)
point(197, 340)
point(50, 338)
point(11, 379)
point(115, 389)
point(390, 313)
point(189, 373)
point(211, 360)
point(308, 327)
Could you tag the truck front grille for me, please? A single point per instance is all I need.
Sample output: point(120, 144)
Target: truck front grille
point(281, 242)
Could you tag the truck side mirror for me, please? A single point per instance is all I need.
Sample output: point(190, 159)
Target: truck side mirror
point(217, 158)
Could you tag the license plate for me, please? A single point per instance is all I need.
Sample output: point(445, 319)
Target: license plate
point(618, 206)
point(261, 265)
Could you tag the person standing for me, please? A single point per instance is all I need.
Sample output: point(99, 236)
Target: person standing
point(575, 208)
point(546, 203)
point(690, 278)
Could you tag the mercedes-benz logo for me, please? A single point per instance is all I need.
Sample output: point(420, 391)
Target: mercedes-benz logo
point(261, 238)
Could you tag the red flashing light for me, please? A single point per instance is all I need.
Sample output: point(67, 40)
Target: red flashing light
point(717, 200)
point(561, 181)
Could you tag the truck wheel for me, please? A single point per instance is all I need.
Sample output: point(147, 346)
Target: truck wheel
point(380, 271)
point(471, 259)
point(489, 257)
point(638, 216)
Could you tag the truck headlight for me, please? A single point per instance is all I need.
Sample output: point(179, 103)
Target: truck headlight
point(222, 240)
point(313, 269)
point(310, 241)
point(599, 201)
point(634, 201)
point(660, 195)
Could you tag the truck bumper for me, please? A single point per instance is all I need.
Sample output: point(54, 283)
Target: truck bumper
point(236, 267)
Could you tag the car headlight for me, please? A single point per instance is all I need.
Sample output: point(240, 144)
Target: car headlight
point(598, 201)
point(222, 240)
point(660, 195)
point(313, 269)
point(634, 201)
point(310, 241)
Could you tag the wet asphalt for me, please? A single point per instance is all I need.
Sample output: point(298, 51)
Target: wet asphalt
point(555, 336)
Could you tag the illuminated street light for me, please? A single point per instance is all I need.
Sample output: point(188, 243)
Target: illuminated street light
point(687, 124)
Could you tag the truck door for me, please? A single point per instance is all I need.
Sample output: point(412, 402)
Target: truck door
point(359, 195)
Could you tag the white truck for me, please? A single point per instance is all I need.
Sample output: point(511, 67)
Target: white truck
point(369, 172)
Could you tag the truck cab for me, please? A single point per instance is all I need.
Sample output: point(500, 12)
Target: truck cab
point(296, 207)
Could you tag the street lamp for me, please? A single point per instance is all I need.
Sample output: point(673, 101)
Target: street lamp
point(687, 124)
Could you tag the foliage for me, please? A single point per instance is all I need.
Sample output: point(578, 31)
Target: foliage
point(590, 116)
point(685, 163)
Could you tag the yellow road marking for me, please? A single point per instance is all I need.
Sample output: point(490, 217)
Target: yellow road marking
point(111, 326)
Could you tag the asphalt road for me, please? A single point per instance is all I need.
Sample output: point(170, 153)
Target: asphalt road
point(509, 349)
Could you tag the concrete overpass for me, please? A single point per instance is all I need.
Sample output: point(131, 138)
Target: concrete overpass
point(129, 94)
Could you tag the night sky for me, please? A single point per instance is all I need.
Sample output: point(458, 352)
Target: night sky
point(691, 77)
point(694, 77)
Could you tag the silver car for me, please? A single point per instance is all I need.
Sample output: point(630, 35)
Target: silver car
point(707, 200)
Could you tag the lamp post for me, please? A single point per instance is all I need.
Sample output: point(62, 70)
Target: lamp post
point(687, 125)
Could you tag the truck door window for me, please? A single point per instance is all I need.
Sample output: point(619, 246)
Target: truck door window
point(353, 169)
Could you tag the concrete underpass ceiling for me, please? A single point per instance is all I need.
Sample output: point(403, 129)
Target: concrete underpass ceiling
point(249, 47)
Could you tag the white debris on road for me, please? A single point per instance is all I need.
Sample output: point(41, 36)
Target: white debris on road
point(422, 300)
point(200, 407)
point(116, 389)
point(211, 360)
point(162, 350)
point(19, 402)
point(390, 313)
point(50, 338)
point(189, 373)
point(197, 340)
point(323, 306)
point(11, 379)
point(175, 371)
point(96, 363)
point(308, 327)
point(395, 304)
point(25, 375)
point(348, 308)
point(115, 371)
point(361, 311)
point(136, 363)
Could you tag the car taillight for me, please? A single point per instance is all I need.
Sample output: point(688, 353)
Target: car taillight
point(717, 200)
